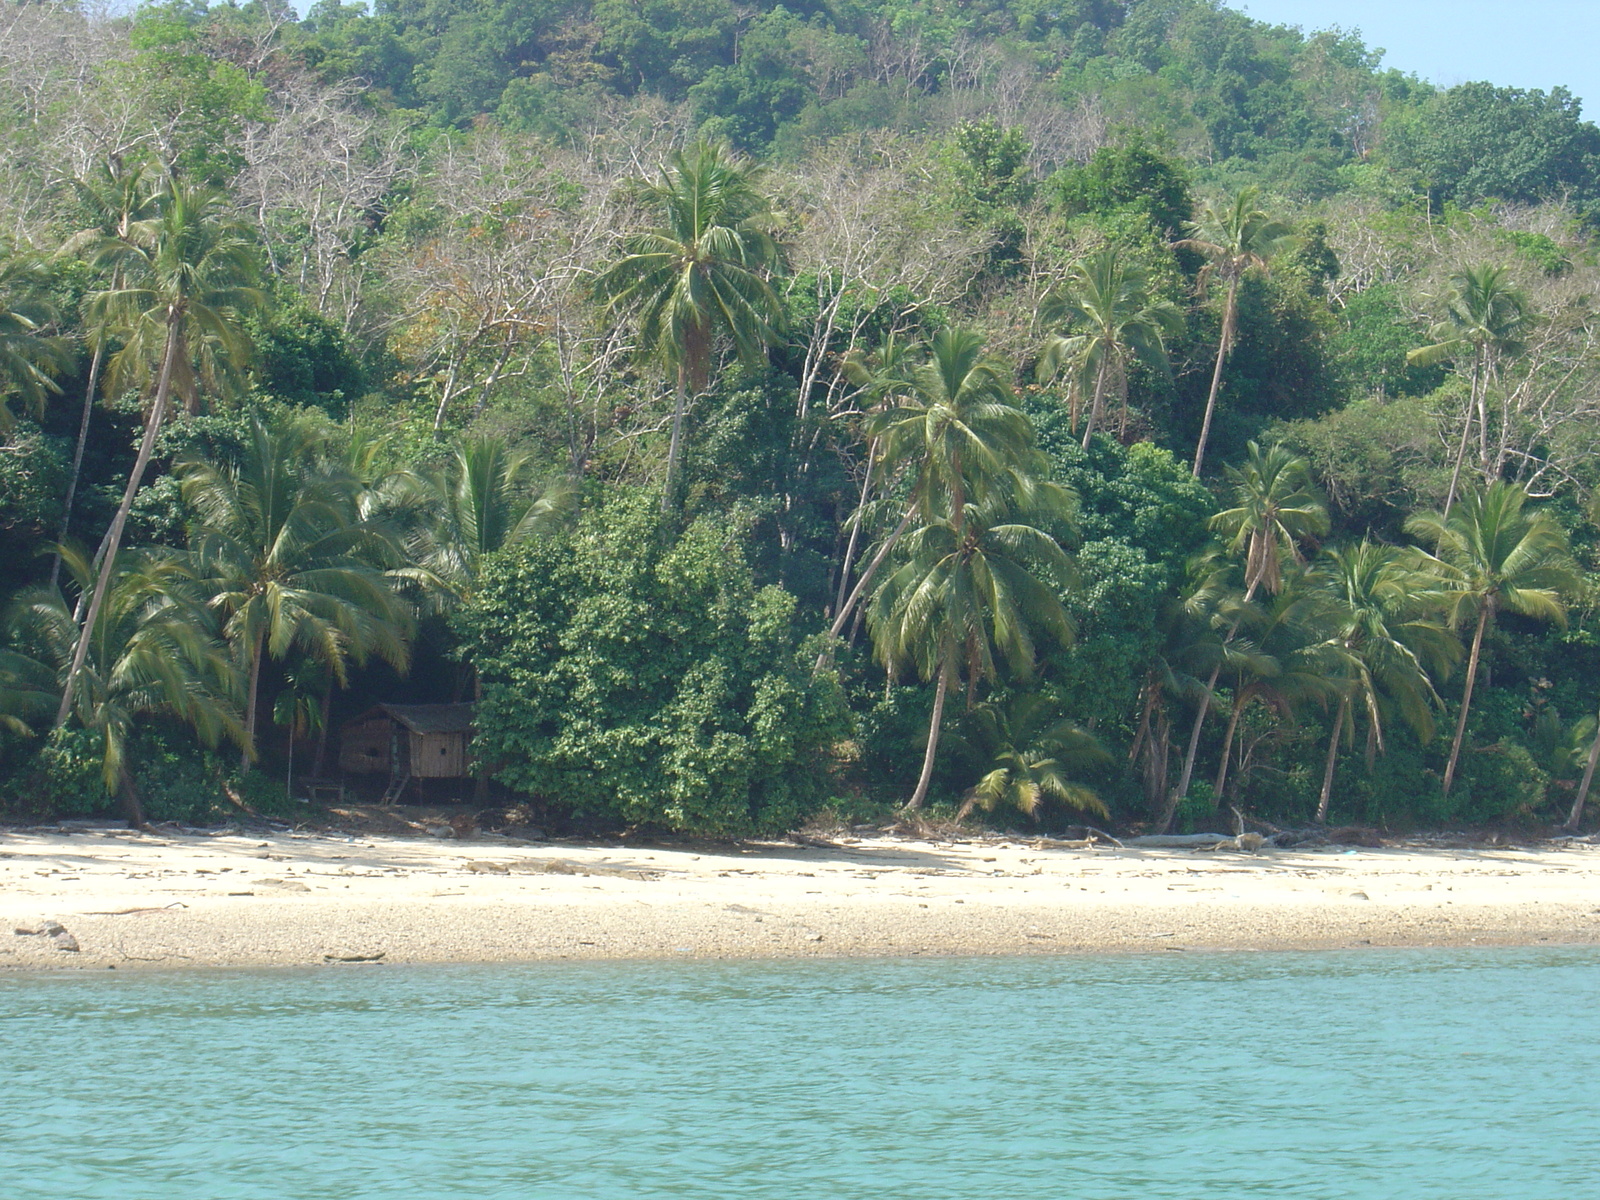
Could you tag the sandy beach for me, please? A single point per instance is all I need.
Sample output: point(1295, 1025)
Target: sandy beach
point(131, 900)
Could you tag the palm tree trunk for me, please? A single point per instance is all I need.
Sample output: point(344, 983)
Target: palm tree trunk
point(1227, 745)
point(113, 542)
point(249, 750)
point(1223, 346)
point(77, 458)
point(132, 809)
point(679, 401)
point(1182, 790)
point(1575, 817)
point(1099, 400)
point(855, 533)
point(1333, 758)
point(843, 616)
point(921, 793)
point(1466, 434)
point(1466, 697)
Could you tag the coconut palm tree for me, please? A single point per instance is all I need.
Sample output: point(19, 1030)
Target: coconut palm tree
point(970, 596)
point(1107, 298)
point(1275, 510)
point(483, 500)
point(115, 199)
point(1286, 661)
point(950, 429)
point(701, 272)
point(153, 649)
point(1494, 554)
point(287, 561)
point(1485, 317)
point(1391, 641)
point(1235, 238)
point(183, 280)
point(29, 358)
point(1032, 756)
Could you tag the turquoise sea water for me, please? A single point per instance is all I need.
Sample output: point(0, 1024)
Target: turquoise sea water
point(1404, 1074)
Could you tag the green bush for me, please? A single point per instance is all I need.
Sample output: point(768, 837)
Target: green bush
point(640, 677)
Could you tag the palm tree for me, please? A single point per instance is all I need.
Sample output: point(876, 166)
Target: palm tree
point(1286, 662)
point(969, 596)
point(482, 501)
point(1493, 554)
point(1390, 644)
point(182, 281)
point(1109, 298)
point(1235, 238)
point(703, 271)
point(1485, 317)
point(116, 199)
point(1275, 510)
point(28, 357)
point(1032, 755)
point(287, 561)
point(153, 650)
point(951, 428)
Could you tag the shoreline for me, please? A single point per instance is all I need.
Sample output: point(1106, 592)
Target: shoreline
point(240, 899)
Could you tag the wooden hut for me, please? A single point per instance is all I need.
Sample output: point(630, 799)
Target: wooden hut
point(408, 741)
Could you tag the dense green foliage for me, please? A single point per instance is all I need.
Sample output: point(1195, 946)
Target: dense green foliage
point(1109, 406)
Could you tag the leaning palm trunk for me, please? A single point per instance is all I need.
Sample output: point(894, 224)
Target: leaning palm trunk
point(1224, 345)
point(77, 457)
point(1333, 758)
point(1575, 817)
point(1466, 699)
point(158, 412)
point(843, 618)
point(1099, 399)
point(1239, 706)
point(1466, 435)
point(934, 723)
point(132, 809)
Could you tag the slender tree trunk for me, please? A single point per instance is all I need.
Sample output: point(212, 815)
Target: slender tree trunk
point(921, 793)
point(843, 617)
point(1333, 758)
point(77, 459)
point(249, 751)
point(1184, 780)
point(1466, 697)
point(1189, 755)
point(1466, 435)
point(113, 541)
point(445, 396)
point(1227, 745)
point(1223, 346)
point(132, 809)
point(855, 533)
point(679, 400)
point(1575, 817)
point(1099, 400)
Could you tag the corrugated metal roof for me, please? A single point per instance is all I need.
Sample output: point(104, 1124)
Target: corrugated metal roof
point(425, 718)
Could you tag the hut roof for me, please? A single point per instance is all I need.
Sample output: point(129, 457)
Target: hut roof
point(425, 718)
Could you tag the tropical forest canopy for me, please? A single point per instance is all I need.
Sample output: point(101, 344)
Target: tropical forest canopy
point(1110, 410)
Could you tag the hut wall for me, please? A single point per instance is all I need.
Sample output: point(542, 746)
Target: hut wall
point(439, 755)
point(364, 748)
